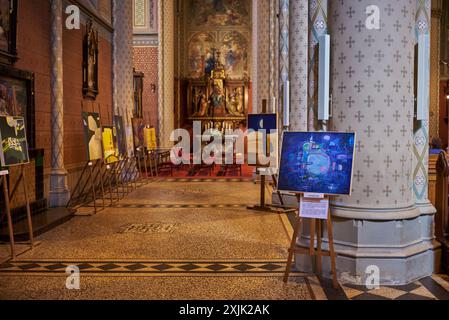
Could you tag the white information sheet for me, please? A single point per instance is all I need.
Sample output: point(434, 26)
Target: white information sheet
point(314, 208)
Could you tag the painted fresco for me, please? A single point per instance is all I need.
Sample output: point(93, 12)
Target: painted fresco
point(235, 53)
point(218, 33)
point(220, 12)
point(200, 54)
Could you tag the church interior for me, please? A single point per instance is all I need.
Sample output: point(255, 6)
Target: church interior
point(116, 117)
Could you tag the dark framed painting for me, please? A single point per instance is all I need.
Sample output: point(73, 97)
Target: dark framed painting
point(92, 135)
point(14, 141)
point(110, 150)
point(17, 98)
point(90, 62)
point(138, 132)
point(121, 135)
point(317, 162)
point(8, 31)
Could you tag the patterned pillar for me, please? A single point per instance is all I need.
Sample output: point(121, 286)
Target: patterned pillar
point(298, 64)
point(123, 86)
point(59, 192)
point(284, 40)
point(284, 49)
point(421, 128)
point(166, 71)
point(273, 52)
point(318, 10)
point(372, 83)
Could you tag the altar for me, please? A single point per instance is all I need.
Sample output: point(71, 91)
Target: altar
point(217, 101)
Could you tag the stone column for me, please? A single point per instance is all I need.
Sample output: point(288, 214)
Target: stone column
point(372, 84)
point(298, 64)
point(59, 191)
point(166, 70)
point(123, 85)
point(318, 11)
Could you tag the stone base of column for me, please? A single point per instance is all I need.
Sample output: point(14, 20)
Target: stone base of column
point(404, 249)
point(59, 191)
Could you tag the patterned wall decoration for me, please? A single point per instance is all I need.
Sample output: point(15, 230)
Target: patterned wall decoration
point(318, 11)
point(224, 25)
point(298, 64)
point(421, 128)
point(145, 16)
point(123, 64)
point(372, 87)
point(146, 61)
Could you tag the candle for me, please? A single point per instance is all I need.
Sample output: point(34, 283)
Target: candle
point(286, 103)
point(274, 105)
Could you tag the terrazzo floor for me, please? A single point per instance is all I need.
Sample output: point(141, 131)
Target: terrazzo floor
point(166, 240)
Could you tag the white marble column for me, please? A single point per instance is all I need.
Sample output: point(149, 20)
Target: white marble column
point(59, 191)
point(372, 81)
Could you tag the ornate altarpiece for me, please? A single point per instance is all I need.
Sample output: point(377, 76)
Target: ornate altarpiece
point(217, 101)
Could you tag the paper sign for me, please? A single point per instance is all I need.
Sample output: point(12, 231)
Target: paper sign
point(314, 208)
point(314, 195)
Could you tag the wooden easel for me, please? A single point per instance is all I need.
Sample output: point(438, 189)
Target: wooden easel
point(9, 196)
point(4, 182)
point(315, 225)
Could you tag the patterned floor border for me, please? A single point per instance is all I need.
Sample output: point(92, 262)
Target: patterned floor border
point(176, 206)
point(155, 268)
point(431, 288)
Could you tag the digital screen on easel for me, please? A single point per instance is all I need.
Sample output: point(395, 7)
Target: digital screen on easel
point(317, 162)
point(14, 141)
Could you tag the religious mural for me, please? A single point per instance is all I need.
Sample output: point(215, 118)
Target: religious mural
point(220, 12)
point(235, 50)
point(201, 57)
point(220, 28)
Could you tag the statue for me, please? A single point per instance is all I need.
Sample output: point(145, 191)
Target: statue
point(235, 105)
point(203, 106)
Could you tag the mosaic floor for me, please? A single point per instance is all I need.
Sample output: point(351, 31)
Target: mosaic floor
point(166, 241)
